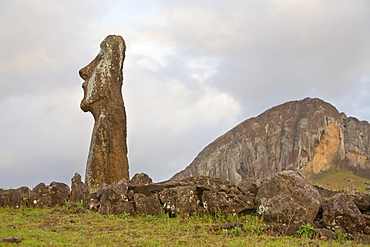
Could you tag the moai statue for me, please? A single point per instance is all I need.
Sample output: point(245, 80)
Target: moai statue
point(107, 162)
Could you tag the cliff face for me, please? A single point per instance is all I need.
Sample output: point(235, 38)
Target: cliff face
point(308, 136)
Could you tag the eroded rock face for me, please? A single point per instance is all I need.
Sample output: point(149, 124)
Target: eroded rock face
point(309, 135)
point(107, 161)
point(288, 198)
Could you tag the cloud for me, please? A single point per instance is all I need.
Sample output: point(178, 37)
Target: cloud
point(286, 48)
point(170, 103)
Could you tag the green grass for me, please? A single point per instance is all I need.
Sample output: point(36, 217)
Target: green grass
point(63, 227)
point(334, 179)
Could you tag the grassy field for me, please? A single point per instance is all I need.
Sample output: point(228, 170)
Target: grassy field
point(64, 226)
point(340, 180)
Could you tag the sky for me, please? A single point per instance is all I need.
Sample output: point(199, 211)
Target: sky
point(193, 70)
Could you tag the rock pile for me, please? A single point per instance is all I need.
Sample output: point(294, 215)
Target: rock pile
point(286, 199)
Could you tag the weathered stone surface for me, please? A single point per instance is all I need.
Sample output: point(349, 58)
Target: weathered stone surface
point(339, 212)
point(216, 203)
point(367, 219)
point(80, 191)
point(148, 189)
point(181, 201)
point(324, 234)
point(309, 135)
point(220, 203)
point(107, 161)
point(288, 198)
point(243, 204)
point(44, 196)
point(362, 201)
point(141, 178)
point(280, 229)
point(15, 198)
point(12, 240)
point(93, 202)
point(147, 205)
point(248, 185)
point(112, 195)
point(121, 207)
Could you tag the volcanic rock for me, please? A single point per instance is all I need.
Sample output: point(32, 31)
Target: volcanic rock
point(147, 205)
point(107, 161)
point(111, 195)
point(44, 196)
point(181, 201)
point(288, 198)
point(141, 178)
point(15, 198)
point(309, 135)
point(80, 191)
point(340, 213)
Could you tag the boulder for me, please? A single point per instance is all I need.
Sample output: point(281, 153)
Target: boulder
point(248, 185)
point(324, 234)
point(15, 198)
point(121, 207)
point(340, 213)
point(44, 196)
point(80, 191)
point(111, 195)
point(141, 178)
point(148, 189)
point(288, 198)
point(216, 203)
point(93, 202)
point(220, 203)
point(147, 205)
point(181, 201)
point(362, 201)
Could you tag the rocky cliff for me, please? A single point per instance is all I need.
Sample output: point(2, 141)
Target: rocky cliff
point(309, 135)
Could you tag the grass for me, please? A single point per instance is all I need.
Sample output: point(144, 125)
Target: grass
point(61, 226)
point(340, 180)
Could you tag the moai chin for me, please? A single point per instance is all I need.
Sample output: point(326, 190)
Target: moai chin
point(107, 162)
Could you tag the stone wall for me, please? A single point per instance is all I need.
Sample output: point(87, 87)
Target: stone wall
point(286, 199)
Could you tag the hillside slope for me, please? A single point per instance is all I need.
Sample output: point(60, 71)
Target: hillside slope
point(309, 135)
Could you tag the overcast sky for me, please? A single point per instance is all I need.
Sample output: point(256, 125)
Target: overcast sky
point(193, 70)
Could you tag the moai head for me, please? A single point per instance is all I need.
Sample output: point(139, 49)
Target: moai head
point(103, 76)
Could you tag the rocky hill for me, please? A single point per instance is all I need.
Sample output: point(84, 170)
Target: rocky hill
point(309, 135)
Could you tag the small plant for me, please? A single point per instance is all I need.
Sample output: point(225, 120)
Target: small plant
point(305, 231)
point(67, 203)
point(80, 204)
point(236, 231)
point(254, 229)
point(124, 215)
point(111, 216)
point(341, 236)
point(92, 213)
